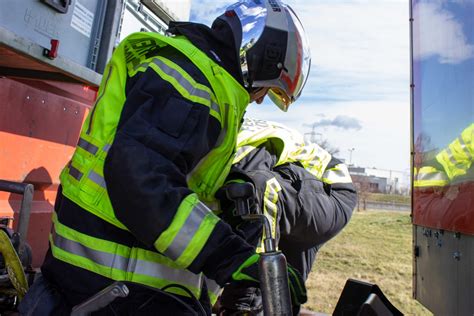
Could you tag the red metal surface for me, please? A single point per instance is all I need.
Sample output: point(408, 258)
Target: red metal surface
point(40, 123)
point(450, 208)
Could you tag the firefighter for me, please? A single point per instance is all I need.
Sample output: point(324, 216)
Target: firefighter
point(134, 201)
point(450, 165)
point(442, 183)
point(306, 194)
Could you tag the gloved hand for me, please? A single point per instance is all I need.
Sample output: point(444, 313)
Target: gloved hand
point(249, 271)
point(297, 286)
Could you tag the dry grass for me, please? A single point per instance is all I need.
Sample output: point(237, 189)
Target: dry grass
point(374, 247)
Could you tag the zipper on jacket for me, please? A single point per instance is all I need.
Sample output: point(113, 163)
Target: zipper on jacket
point(89, 128)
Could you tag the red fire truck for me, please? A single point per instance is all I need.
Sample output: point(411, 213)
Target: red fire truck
point(442, 37)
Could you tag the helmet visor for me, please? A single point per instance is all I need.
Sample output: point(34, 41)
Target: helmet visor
point(298, 59)
point(280, 98)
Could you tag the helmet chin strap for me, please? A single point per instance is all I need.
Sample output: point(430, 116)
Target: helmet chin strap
point(258, 94)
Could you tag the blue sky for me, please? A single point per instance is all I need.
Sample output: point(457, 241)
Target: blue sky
point(357, 95)
point(445, 70)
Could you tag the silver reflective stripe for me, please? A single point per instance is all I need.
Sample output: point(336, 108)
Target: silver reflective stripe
point(106, 147)
point(215, 107)
point(87, 146)
point(242, 152)
point(75, 173)
point(212, 286)
point(303, 152)
point(192, 90)
point(133, 265)
point(432, 176)
point(315, 163)
point(97, 178)
point(451, 156)
point(465, 148)
point(187, 231)
point(337, 176)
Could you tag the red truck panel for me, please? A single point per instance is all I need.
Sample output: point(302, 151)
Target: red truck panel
point(40, 123)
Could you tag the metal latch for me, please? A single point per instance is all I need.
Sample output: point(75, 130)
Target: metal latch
point(59, 5)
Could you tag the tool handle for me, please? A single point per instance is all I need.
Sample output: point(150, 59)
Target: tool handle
point(101, 299)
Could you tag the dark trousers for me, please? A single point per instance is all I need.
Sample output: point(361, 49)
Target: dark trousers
point(43, 299)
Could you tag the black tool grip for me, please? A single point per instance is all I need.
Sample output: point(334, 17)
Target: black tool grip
point(241, 193)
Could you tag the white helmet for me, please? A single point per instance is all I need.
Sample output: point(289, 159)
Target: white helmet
point(274, 51)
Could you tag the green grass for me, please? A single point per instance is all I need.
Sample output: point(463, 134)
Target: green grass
point(394, 198)
point(374, 247)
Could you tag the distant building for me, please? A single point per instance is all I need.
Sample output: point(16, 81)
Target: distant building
point(381, 180)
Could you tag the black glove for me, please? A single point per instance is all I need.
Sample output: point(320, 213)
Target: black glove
point(251, 231)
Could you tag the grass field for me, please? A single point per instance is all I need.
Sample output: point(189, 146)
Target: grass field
point(391, 198)
point(374, 247)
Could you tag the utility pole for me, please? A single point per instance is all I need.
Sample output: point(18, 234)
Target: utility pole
point(350, 155)
point(312, 134)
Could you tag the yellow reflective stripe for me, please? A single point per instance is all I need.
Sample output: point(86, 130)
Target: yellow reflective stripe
point(450, 156)
point(183, 83)
point(117, 261)
point(337, 174)
point(243, 148)
point(457, 157)
point(429, 177)
point(198, 241)
point(242, 152)
point(313, 158)
point(188, 232)
point(270, 208)
point(452, 167)
point(464, 148)
point(92, 242)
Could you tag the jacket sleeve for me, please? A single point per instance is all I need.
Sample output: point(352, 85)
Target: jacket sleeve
point(160, 138)
point(317, 209)
point(304, 210)
point(456, 159)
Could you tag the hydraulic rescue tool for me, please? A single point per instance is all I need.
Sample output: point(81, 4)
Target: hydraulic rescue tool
point(272, 264)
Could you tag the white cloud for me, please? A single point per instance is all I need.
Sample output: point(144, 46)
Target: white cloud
point(360, 69)
point(205, 11)
point(449, 42)
point(249, 26)
point(383, 141)
point(340, 121)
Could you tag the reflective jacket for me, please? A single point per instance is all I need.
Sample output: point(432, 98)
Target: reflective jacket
point(457, 158)
point(307, 194)
point(169, 112)
point(450, 164)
